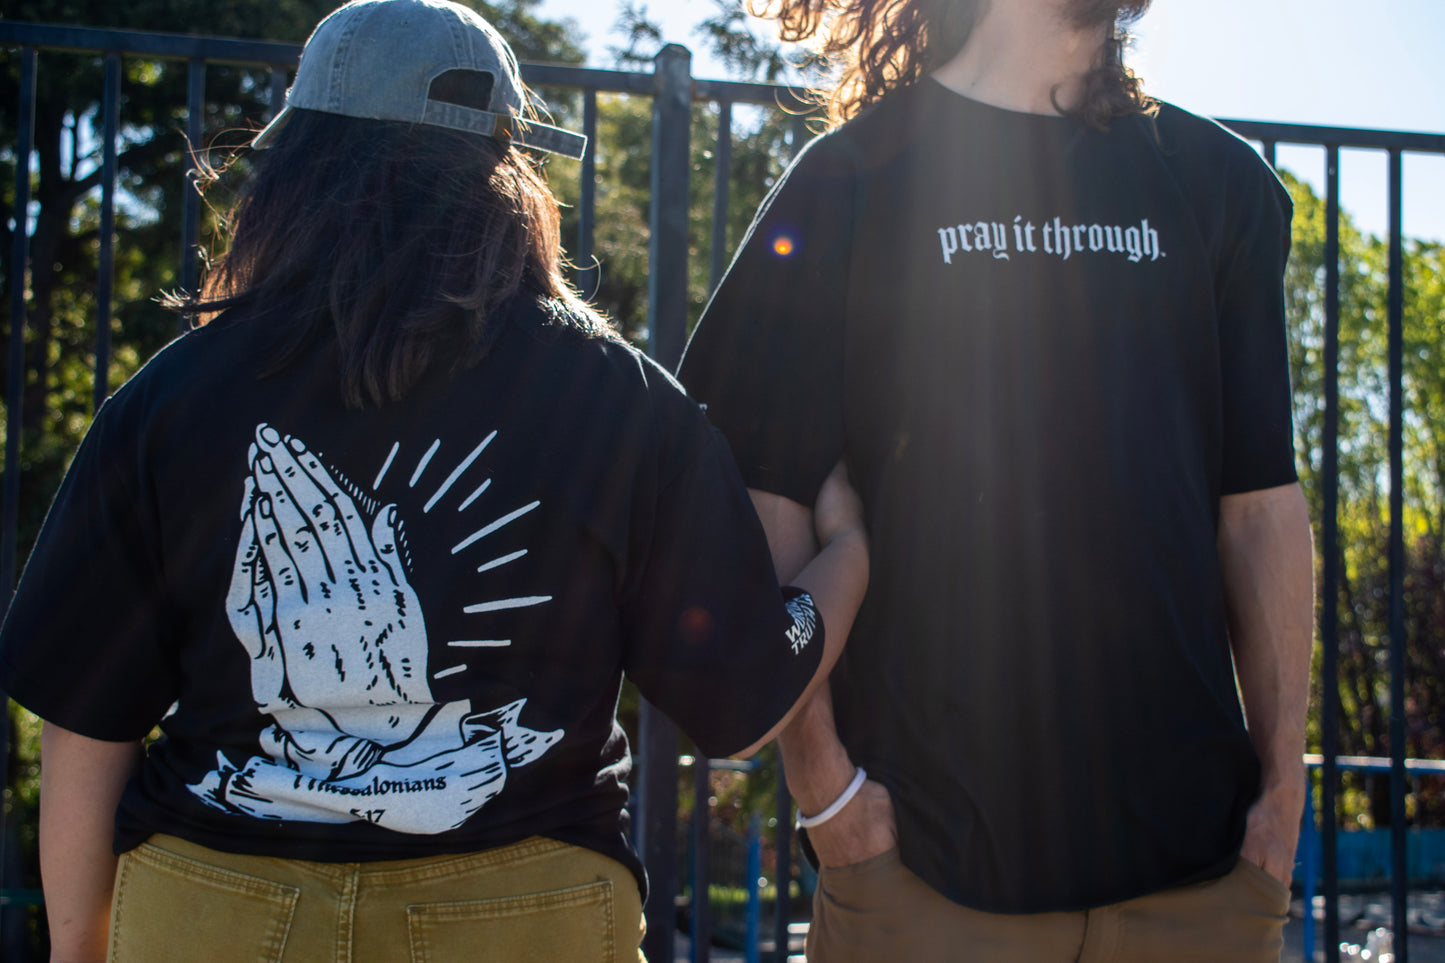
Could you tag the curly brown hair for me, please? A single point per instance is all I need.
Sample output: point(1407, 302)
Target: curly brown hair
point(882, 45)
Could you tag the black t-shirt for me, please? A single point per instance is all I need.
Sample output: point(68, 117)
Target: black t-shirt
point(1046, 351)
point(397, 632)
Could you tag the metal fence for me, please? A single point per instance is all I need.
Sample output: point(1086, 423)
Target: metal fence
point(674, 91)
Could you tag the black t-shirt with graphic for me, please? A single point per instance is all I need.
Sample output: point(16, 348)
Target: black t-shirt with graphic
point(395, 632)
point(1046, 352)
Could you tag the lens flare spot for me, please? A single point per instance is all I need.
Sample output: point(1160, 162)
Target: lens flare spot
point(783, 246)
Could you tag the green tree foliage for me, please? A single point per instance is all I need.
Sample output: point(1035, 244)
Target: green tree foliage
point(1364, 521)
point(762, 142)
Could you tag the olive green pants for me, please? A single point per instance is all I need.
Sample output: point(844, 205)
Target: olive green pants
point(880, 912)
point(535, 900)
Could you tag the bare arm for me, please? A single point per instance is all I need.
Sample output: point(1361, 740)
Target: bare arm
point(815, 761)
point(80, 786)
point(836, 577)
point(1267, 565)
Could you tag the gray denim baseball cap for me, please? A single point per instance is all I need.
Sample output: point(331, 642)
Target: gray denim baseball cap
point(376, 59)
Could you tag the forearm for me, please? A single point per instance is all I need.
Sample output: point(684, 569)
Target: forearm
point(812, 755)
point(815, 761)
point(1267, 566)
point(81, 780)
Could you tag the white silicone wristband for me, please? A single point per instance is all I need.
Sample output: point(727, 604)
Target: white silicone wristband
point(834, 808)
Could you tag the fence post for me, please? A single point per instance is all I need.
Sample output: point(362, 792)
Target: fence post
point(755, 896)
point(701, 865)
point(191, 198)
point(11, 920)
point(671, 167)
point(666, 328)
point(1330, 557)
point(1309, 865)
point(1399, 863)
point(783, 867)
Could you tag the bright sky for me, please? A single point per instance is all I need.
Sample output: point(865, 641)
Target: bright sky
point(1347, 63)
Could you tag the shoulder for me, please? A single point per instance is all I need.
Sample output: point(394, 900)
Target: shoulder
point(1207, 148)
point(870, 141)
point(197, 356)
point(627, 390)
point(575, 335)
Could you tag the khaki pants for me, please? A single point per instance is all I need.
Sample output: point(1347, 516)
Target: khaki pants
point(880, 911)
point(534, 900)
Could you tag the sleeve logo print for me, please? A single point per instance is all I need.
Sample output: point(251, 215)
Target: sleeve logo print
point(321, 601)
point(1057, 238)
point(805, 621)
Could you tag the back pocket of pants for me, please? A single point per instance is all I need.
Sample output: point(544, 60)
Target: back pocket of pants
point(173, 908)
point(573, 924)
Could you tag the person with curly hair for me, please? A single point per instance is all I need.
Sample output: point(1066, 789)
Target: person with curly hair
point(1040, 315)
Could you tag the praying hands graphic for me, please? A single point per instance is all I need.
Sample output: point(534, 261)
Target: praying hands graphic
point(320, 600)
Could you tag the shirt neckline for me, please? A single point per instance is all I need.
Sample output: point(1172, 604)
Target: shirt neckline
point(941, 89)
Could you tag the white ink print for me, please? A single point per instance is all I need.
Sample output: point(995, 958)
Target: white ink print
point(339, 661)
point(1136, 242)
point(805, 621)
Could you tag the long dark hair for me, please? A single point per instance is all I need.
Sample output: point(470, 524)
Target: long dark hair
point(882, 45)
point(399, 241)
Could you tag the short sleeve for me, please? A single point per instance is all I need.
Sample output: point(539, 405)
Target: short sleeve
point(1258, 438)
point(710, 640)
point(83, 641)
point(767, 357)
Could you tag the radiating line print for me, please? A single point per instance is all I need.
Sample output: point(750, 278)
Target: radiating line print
point(489, 529)
point(474, 495)
point(498, 562)
point(425, 460)
point(503, 604)
point(381, 475)
point(457, 472)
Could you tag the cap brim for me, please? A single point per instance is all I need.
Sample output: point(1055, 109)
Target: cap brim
point(530, 134)
point(271, 131)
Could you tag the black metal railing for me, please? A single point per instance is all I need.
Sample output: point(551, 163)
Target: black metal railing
point(1395, 144)
point(674, 91)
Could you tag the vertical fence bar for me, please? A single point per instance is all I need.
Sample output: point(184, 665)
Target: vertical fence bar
point(588, 273)
point(1399, 879)
point(1330, 576)
point(666, 324)
point(278, 93)
point(754, 871)
point(14, 393)
point(105, 282)
point(721, 185)
point(1309, 867)
point(800, 132)
point(783, 871)
point(655, 830)
point(191, 198)
point(667, 247)
point(15, 377)
point(701, 873)
point(1268, 151)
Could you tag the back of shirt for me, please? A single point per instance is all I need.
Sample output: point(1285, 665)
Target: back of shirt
point(387, 633)
point(1046, 352)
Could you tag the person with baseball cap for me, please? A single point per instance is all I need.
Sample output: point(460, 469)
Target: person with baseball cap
point(373, 549)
